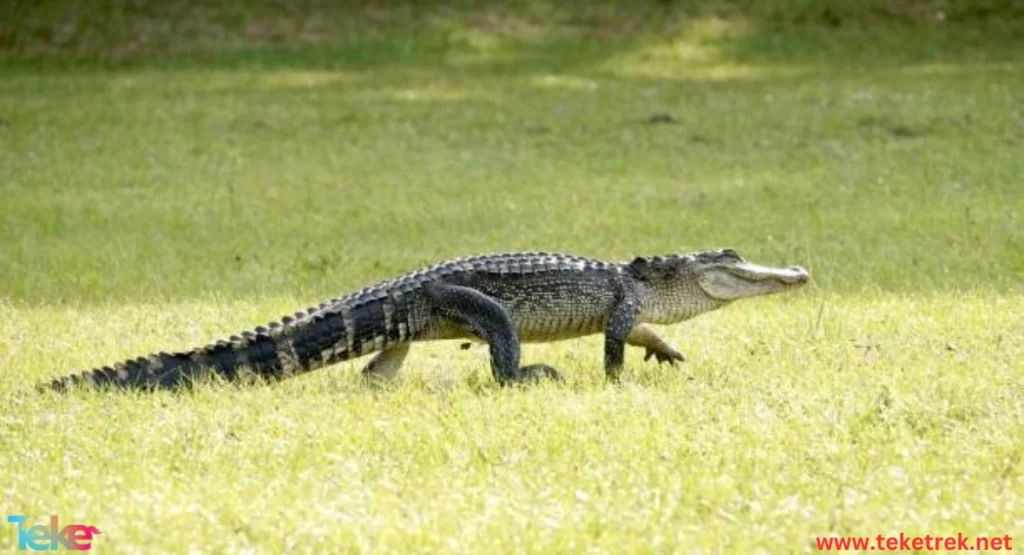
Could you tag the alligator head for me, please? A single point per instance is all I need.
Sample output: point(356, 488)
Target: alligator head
point(682, 286)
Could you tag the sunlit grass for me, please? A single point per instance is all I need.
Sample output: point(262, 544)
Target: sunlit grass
point(793, 418)
point(180, 199)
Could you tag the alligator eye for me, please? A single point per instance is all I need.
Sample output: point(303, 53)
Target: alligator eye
point(731, 252)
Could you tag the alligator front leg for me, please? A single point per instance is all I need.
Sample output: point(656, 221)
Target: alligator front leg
point(620, 324)
point(643, 336)
point(488, 320)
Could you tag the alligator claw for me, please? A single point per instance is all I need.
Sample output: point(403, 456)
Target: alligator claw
point(669, 356)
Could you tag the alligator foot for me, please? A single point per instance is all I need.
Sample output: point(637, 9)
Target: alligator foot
point(664, 353)
point(654, 346)
point(534, 373)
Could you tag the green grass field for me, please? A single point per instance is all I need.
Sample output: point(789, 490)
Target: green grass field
point(167, 180)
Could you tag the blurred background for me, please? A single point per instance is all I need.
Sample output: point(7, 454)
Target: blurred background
point(172, 149)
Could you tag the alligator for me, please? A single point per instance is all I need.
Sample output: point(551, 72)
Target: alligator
point(498, 299)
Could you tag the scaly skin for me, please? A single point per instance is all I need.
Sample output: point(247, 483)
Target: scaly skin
point(500, 299)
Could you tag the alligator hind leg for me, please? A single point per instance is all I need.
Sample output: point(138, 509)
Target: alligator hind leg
point(488, 320)
point(387, 363)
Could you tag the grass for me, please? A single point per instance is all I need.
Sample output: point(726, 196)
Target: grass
point(160, 195)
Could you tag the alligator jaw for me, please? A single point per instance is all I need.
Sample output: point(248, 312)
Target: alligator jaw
point(794, 275)
point(737, 280)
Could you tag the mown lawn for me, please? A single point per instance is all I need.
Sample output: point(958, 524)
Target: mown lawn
point(156, 197)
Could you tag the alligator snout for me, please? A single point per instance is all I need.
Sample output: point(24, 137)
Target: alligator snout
point(796, 275)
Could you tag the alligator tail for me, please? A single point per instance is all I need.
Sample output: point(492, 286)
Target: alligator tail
point(296, 344)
